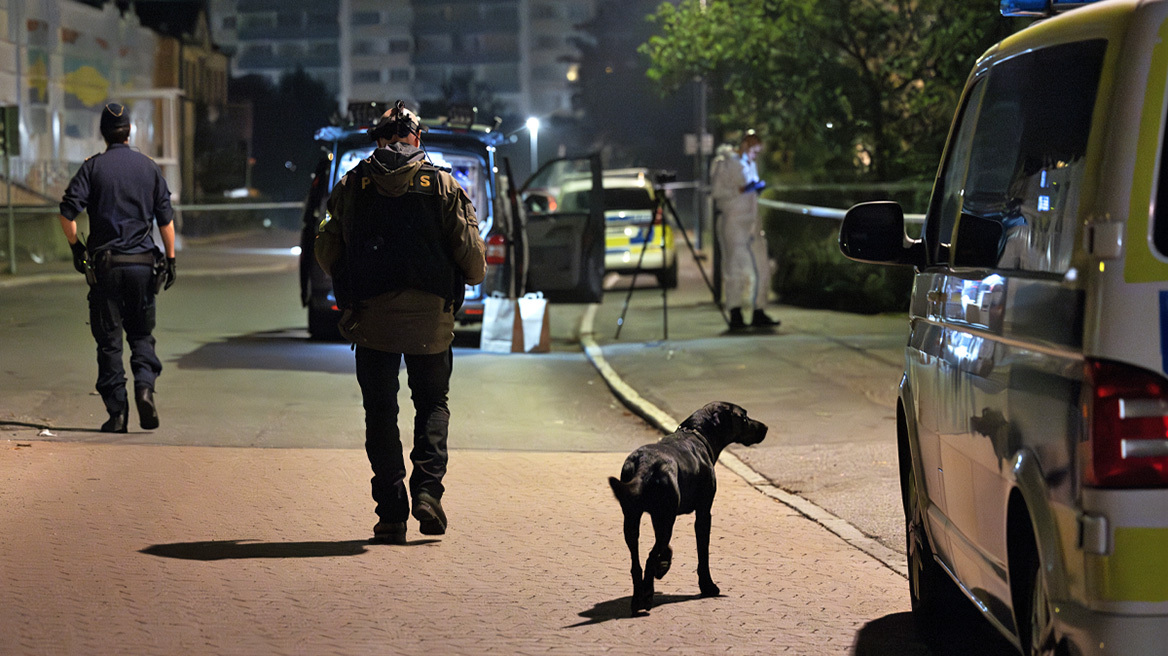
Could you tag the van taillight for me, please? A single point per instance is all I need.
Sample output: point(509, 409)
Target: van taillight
point(496, 249)
point(1127, 411)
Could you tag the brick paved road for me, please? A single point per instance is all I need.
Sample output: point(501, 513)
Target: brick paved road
point(168, 550)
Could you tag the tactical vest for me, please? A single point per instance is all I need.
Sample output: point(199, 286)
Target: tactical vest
point(395, 243)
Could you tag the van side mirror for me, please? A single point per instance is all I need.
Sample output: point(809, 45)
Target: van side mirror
point(977, 242)
point(874, 232)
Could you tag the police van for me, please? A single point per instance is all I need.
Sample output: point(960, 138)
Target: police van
point(559, 253)
point(1033, 408)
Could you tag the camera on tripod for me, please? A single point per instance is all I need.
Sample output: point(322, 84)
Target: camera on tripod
point(666, 214)
point(662, 178)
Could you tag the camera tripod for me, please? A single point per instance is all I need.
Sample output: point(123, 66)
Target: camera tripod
point(668, 213)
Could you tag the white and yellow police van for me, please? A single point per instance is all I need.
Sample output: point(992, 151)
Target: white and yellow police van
point(1033, 411)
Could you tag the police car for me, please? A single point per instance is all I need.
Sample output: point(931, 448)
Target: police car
point(1033, 410)
point(546, 250)
point(637, 238)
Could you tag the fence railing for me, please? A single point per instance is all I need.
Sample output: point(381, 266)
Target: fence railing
point(33, 234)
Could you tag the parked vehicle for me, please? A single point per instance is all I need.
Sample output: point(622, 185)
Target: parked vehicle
point(636, 235)
point(549, 251)
point(1033, 408)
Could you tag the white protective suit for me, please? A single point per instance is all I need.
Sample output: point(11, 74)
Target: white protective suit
point(742, 243)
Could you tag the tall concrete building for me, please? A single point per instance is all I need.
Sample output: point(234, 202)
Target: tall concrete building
point(389, 49)
point(268, 37)
point(378, 39)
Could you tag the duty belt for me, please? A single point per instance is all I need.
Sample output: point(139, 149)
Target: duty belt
point(124, 259)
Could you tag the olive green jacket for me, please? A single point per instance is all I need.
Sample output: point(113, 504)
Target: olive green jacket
point(408, 320)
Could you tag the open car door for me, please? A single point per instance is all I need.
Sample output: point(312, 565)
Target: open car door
point(565, 230)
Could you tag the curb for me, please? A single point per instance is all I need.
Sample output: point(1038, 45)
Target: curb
point(665, 423)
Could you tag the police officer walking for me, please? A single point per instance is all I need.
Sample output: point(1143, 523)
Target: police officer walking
point(402, 243)
point(125, 194)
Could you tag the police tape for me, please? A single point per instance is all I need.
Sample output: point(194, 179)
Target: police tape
point(808, 210)
point(823, 212)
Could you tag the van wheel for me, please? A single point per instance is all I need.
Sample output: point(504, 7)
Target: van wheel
point(930, 590)
point(1034, 613)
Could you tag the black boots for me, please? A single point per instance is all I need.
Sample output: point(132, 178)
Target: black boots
point(119, 418)
point(428, 512)
point(117, 421)
point(736, 322)
point(147, 413)
point(389, 533)
point(758, 320)
point(761, 320)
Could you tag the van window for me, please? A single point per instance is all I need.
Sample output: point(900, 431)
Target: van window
point(1160, 210)
point(468, 171)
point(618, 198)
point(1026, 156)
point(948, 195)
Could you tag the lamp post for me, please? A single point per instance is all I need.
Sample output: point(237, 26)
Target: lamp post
point(533, 129)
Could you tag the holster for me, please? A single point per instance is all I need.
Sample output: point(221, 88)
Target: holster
point(159, 270)
point(90, 271)
point(97, 266)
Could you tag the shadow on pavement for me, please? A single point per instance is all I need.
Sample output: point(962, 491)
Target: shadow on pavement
point(618, 609)
point(289, 349)
point(240, 549)
point(49, 427)
point(276, 350)
point(964, 634)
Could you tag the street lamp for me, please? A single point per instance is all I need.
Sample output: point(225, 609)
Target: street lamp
point(533, 128)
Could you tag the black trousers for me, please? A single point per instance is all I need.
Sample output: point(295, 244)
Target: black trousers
point(123, 300)
point(429, 379)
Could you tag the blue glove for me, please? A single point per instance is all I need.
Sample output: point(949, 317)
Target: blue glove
point(757, 186)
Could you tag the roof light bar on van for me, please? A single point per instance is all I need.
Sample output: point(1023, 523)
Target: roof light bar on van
point(1039, 8)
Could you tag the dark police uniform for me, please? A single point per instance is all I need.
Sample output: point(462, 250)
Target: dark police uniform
point(125, 193)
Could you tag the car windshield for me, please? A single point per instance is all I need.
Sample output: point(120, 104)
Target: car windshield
point(466, 169)
point(621, 198)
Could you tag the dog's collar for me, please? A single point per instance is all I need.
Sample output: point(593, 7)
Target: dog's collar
point(705, 440)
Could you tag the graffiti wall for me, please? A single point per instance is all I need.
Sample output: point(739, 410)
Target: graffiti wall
point(61, 62)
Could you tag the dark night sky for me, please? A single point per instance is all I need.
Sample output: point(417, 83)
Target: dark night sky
point(170, 17)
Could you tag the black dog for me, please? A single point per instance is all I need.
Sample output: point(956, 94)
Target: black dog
point(675, 477)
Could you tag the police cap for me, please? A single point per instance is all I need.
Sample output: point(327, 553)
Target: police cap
point(114, 116)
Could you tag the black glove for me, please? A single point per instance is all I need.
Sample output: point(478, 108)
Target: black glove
point(171, 273)
point(79, 256)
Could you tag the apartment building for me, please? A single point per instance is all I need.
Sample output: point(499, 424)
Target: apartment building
point(389, 49)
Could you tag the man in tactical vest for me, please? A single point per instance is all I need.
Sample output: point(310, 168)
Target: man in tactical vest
point(125, 194)
point(401, 244)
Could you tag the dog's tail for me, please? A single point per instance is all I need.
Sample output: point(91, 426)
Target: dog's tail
point(624, 491)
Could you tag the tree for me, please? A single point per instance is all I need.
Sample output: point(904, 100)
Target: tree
point(285, 118)
point(864, 88)
point(220, 151)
